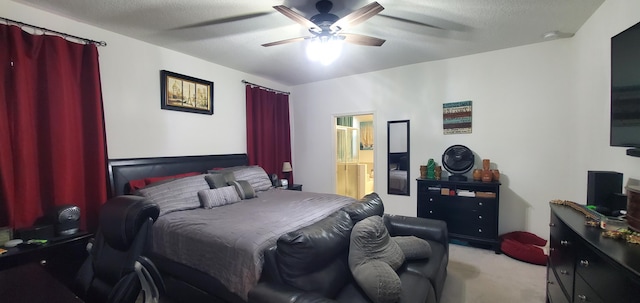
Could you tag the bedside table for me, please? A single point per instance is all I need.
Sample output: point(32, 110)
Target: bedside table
point(61, 256)
point(297, 187)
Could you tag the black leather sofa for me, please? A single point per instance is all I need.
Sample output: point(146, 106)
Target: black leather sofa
point(311, 264)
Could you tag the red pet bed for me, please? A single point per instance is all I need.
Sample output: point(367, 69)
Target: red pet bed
point(524, 246)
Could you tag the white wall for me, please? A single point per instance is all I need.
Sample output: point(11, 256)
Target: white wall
point(540, 113)
point(130, 75)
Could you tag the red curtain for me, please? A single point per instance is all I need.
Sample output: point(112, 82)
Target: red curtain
point(268, 130)
point(52, 138)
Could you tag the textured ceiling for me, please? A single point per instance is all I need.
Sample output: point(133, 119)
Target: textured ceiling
point(230, 32)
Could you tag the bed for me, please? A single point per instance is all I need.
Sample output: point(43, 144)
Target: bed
point(398, 173)
point(215, 255)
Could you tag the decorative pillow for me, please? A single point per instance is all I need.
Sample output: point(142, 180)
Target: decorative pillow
point(135, 185)
point(179, 194)
point(413, 247)
point(379, 281)
point(373, 259)
point(256, 176)
point(219, 180)
point(244, 189)
point(210, 198)
point(156, 179)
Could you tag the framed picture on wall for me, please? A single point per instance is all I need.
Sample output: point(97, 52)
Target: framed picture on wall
point(185, 93)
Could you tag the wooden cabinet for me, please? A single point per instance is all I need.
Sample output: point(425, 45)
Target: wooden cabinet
point(61, 257)
point(586, 267)
point(471, 209)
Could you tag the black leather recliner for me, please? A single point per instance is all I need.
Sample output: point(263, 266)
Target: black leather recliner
point(310, 265)
point(116, 270)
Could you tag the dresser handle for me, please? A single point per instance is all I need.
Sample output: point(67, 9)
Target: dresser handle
point(480, 230)
point(584, 263)
point(564, 272)
point(43, 262)
point(552, 248)
point(431, 211)
point(564, 243)
point(552, 224)
point(480, 203)
point(430, 199)
point(582, 298)
point(550, 282)
point(479, 217)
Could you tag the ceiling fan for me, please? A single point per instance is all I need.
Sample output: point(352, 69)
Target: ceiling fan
point(326, 26)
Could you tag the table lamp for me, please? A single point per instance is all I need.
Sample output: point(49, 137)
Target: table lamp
point(286, 169)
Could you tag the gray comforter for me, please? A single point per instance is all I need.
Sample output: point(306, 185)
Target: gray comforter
point(227, 242)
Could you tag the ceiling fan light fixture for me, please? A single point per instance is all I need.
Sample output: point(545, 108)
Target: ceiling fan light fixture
point(324, 49)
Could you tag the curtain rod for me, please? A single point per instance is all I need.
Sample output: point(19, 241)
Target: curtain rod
point(266, 88)
point(46, 30)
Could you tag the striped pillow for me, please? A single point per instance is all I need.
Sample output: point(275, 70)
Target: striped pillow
point(211, 198)
point(179, 194)
point(244, 189)
point(255, 175)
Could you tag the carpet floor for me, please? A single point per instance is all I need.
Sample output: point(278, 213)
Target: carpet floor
point(481, 276)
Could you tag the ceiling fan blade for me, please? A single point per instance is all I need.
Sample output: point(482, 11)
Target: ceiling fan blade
point(298, 18)
point(285, 41)
point(411, 21)
point(221, 21)
point(362, 40)
point(356, 17)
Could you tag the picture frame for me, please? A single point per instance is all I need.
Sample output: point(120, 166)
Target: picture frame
point(186, 94)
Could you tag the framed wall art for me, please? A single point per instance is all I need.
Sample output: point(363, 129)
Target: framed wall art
point(185, 93)
point(456, 117)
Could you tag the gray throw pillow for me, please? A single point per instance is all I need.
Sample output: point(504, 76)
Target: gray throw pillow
point(179, 194)
point(379, 281)
point(244, 189)
point(373, 259)
point(217, 180)
point(210, 198)
point(255, 175)
point(413, 247)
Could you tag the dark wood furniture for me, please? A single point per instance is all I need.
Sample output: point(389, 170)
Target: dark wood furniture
point(61, 257)
point(584, 266)
point(297, 187)
point(32, 283)
point(470, 219)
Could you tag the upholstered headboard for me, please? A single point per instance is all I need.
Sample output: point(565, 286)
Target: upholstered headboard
point(121, 171)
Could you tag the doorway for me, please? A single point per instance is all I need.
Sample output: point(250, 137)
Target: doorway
point(355, 149)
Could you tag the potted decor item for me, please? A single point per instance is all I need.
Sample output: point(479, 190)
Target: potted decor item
point(487, 174)
point(477, 174)
point(431, 169)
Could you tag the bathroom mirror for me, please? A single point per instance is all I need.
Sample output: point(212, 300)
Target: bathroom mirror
point(398, 157)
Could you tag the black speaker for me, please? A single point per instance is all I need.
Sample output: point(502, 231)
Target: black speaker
point(603, 189)
point(66, 219)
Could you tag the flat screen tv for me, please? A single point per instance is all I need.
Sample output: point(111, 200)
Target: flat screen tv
point(625, 90)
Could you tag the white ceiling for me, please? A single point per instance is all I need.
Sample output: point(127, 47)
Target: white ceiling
point(230, 32)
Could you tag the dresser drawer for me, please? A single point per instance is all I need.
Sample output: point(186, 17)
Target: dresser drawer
point(609, 282)
point(555, 293)
point(584, 293)
point(471, 224)
point(562, 254)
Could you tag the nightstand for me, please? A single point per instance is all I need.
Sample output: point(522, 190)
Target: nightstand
point(297, 187)
point(61, 256)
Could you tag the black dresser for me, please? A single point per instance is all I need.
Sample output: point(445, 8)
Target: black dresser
point(470, 208)
point(586, 267)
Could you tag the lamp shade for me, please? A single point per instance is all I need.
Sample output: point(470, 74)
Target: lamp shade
point(286, 167)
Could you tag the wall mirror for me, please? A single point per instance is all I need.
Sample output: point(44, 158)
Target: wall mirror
point(398, 157)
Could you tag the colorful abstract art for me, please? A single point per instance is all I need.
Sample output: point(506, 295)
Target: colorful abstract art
point(456, 117)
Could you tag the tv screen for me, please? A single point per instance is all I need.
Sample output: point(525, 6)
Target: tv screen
point(625, 88)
